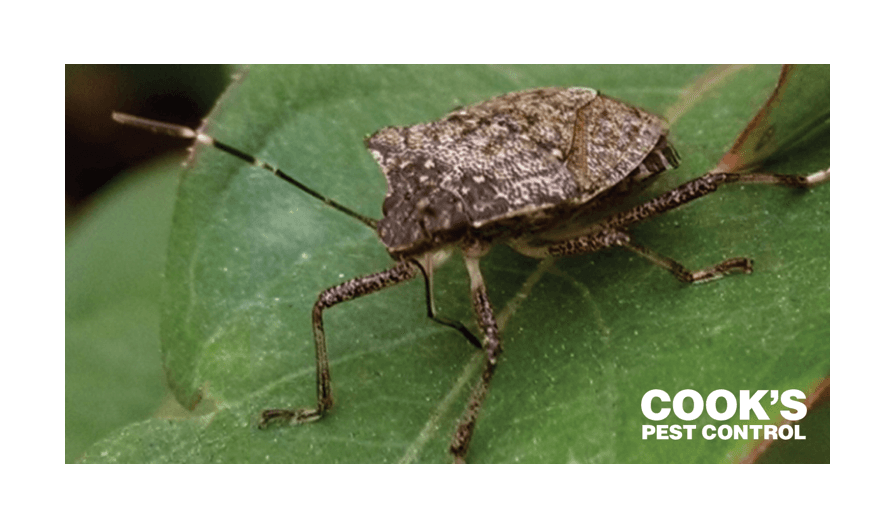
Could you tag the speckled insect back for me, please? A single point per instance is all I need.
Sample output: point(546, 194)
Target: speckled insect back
point(537, 170)
point(513, 165)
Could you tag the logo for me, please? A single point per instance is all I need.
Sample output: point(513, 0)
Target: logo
point(657, 405)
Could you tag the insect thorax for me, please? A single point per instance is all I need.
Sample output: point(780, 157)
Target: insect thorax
point(516, 165)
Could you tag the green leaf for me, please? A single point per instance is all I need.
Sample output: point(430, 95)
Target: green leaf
point(798, 109)
point(249, 254)
point(114, 260)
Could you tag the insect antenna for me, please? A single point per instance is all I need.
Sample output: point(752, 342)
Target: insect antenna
point(184, 132)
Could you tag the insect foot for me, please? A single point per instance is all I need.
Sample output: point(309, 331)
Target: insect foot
point(349, 290)
point(294, 417)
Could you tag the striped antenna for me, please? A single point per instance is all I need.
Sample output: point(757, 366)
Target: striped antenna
point(184, 132)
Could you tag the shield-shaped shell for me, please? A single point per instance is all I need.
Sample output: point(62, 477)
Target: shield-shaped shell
point(513, 160)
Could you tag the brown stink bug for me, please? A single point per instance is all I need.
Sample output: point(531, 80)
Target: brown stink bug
point(537, 170)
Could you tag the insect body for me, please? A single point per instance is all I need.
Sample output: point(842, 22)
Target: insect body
point(536, 170)
point(512, 168)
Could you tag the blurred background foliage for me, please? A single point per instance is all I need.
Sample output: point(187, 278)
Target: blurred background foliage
point(98, 149)
point(117, 224)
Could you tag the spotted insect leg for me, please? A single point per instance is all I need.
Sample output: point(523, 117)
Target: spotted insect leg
point(349, 290)
point(491, 344)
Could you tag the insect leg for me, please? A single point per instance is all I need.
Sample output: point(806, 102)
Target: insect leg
point(430, 310)
point(685, 275)
point(615, 238)
point(488, 325)
point(349, 290)
point(612, 234)
point(702, 186)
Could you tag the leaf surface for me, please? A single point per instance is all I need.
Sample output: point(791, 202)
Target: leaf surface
point(249, 254)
